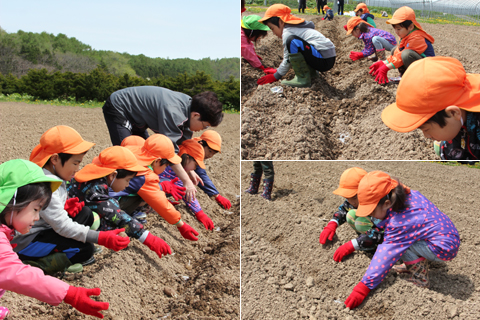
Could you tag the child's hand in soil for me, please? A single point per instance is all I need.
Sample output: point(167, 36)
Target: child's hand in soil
point(328, 232)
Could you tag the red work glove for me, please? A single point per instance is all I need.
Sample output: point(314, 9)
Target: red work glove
point(357, 296)
point(224, 202)
point(203, 218)
point(188, 232)
point(354, 55)
point(258, 56)
point(79, 298)
point(73, 206)
point(381, 74)
point(328, 232)
point(342, 251)
point(269, 78)
point(345, 27)
point(158, 245)
point(170, 187)
point(112, 240)
point(374, 67)
point(323, 18)
point(268, 70)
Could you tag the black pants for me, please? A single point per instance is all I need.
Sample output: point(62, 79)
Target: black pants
point(340, 6)
point(302, 4)
point(313, 58)
point(266, 167)
point(320, 5)
point(48, 242)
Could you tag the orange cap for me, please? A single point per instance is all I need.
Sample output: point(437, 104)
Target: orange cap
point(194, 149)
point(402, 14)
point(349, 181)
point(213, 139)
point(133, 143)
point(59, 139)
point(428, 86)
point(283, 12)
point(362, 6)
point(325, 8)
point(371, 189)
point(109, 160)
point(157, 146)
point(353, 22)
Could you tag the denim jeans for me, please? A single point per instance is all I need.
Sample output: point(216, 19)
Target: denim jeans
point(381, 43)
point(417, 250)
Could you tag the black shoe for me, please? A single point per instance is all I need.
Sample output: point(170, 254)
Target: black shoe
point(88, 262)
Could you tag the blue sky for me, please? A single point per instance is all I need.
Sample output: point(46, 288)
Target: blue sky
point(167, 29)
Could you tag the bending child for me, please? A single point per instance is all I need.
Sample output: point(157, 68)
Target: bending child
point(304, 49)
point(362, 11)
point(328, 13)
point(25, 191)
point(416, 232)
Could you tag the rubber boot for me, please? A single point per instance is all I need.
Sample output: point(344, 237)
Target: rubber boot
point(419, 273)
point(267, 189)
point(313, 73)
point(380, 54)
point(254, 184)
point(302, 72)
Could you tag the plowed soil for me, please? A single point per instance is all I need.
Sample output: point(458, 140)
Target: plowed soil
point(204, 275)
point(287, 274)
point(339, 116)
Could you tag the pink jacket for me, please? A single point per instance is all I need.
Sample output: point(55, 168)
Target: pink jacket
point(24, 279)
point(248, 51)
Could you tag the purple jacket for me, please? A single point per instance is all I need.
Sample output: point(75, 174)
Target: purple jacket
point(420, 220)
point(367, 39)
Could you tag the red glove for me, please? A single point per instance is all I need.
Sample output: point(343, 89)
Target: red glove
point(374, 67)
point(112, 240)
point(79, 298)
point(381, 74)
point(73, 206)
point(188, 232)
point(342, 251)
point(158, 245)
point(357, 296)
point(328, 232)
point(258, 56)
point(170, 187)
point(323, 18)
point(354, 55)
point(345, 27)
point(203, 218)
point(268, 70)
point(269, 78)
point(224, 202)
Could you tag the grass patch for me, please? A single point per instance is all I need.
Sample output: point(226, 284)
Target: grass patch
point(475, 165)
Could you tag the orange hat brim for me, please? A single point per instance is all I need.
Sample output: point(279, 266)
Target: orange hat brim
point(344, 192)
point(365, 210)
point(40, 156)
point(93, 171)
point(401, 121)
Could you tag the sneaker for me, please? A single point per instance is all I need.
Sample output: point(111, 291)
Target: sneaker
point(89, 261)
point(140, 216)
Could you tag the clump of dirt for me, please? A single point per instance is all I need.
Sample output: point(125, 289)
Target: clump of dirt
point(288, 274)
point(339, 116)
point(203, 276)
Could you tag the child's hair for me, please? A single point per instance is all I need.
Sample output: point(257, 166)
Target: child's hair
point(405, 24)
point(203, 143)
point(254, 35)
point(185, 157)
point(164, 162)
point(272, 20)
point(397, 196)
point(65, 156)
point(439, 118)
point(25, 195)
point(123, 173)
point(363, 27)
point(208, 106)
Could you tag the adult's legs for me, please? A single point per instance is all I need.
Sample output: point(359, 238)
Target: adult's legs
point(117, 132)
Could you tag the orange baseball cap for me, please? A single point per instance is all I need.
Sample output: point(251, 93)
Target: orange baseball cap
point(109, 160)
point(59, 139)
point(325, 7)
point(362, 6)
point(157, 146)
point(428, 86)
point(194, 149)
point(349, 181)
point(353, 22)
point(213, 139)
point(283, 12)
point(133, 142)
point(371, 189)
point(402, 14)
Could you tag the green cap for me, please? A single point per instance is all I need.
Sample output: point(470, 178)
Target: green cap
point(18, 173)
point(251, 23)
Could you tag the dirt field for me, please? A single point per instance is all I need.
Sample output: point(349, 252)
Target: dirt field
point(133, 280)
point(287, 274)
point(344, 103)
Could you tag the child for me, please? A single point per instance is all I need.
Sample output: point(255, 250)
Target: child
point(24, 191)
point(416, 44)
point(260, 167)
point(60, 152)
point(113, 168)
point(415, 231)
point(154, 154)
point(362, 11)
point(212, 144)
point(375, 40)
point(305, 49)
point(251, 32)
point(329, 13)
point(192, 155)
